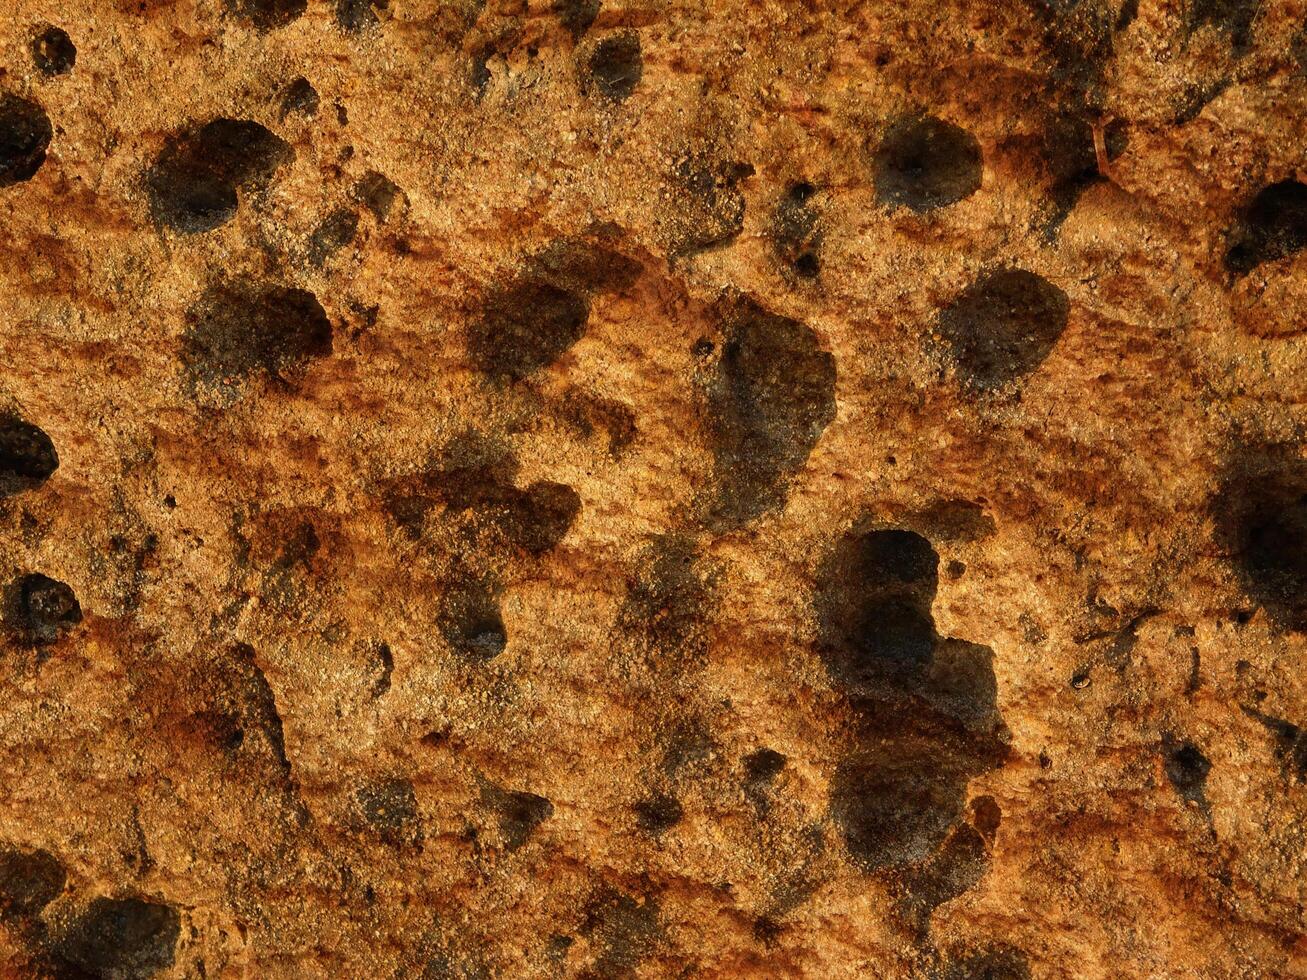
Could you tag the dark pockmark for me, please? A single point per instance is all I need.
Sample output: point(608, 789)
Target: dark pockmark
point(242, 329)
point(1291, 741)
point(42, 609)
point(615, 66)
point(299, 98)
point(1273, 227)
point(25, 134)
point(333, 233)
point(377, 193)
point(954, 869)
point(390, 808)
point(771, 396)
point(526, 326)
point(470, 620)
point(53, 52)
point(927, 705)
point(997, 962)
point(622, 930)
point(1072, 159)
point(1233, 17)
point(924, 163)
point(517, 812)
point(192, 184)
point(667, 607)
point(586, 265)
point(29, 881)
point(704, 206)
point(1262, 520)
point(576, 16)
point(760, 770)
point(1187, 769)
point(684, 745)
point(386, 663)
point(267, 15)
point(121, 937)
point(986, 815)
point(794, 231)
point(474, 480)
point(1078, 38)
point(1003, 326)
point(27, 456)
point(356, 16)
point(588, 413)
point(658, 813)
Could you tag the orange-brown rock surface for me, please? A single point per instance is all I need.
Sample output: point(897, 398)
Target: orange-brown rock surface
point(735, 488)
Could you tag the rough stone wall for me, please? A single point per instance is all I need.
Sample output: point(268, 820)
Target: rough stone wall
point(736, 488)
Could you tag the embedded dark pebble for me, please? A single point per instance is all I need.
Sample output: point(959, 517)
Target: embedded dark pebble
point(1003, 326)
point(27, 456)
point(470, 621)
point(53, 52)
point(25, 134)
point(192, 184)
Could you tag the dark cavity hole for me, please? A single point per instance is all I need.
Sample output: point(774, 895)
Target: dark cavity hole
point(47, 608)
point(25, 134)
point(525, 327)
point(27, 456)
point(926, 163)
point(53, 52)
point(1003, 326)
point(267, 15)
point(616, 66)
point(1273, 227)
point(127, 937)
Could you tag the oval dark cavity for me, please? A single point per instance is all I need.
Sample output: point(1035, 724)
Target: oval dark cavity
point(390, 809)
point(192, 185)
point(25, 134)
point(47, 608)
point(300, 98)
point(53, 52)
point(267, 15)
point(524, 327)
point(246, 328)
point(1003, 326)
point(1273, 227)
point(355, 16)
point(926, 163)
point(471, 623)
point(658, 813)
point(705, 204)
point(1187, 768)
point(122, 937)
point(1262, 510)
point(616, 66)
point(27, 456)
point(770, 399)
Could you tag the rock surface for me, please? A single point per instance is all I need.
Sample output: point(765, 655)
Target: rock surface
point(596, 488)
